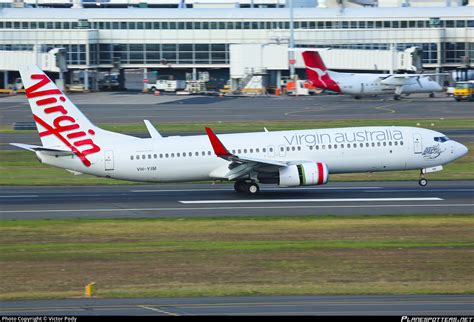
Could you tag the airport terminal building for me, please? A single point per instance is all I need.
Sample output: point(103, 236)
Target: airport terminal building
point(155, 38)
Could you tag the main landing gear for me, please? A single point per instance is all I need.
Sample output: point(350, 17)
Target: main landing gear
point(423, 181)
point(248, 187)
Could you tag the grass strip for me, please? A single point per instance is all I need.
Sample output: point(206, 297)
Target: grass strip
point(409, 254)
point(257, 126)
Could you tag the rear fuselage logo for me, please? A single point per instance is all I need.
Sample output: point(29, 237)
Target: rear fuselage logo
point(51, 101)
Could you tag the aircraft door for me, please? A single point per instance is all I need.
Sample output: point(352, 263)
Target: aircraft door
point(417, 143)
point(109, 160)
point(362, 88)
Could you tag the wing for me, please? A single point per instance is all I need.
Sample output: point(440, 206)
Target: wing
point(405, 79)
point(241, 165)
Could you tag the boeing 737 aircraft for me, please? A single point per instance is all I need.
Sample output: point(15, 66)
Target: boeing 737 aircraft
point(359, 84)
point(287, 158)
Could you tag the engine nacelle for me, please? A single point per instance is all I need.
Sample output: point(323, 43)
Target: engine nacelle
point(305, 174)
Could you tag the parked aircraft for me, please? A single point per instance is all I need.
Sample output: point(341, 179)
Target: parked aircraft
point(359, 84)
point(287, 158)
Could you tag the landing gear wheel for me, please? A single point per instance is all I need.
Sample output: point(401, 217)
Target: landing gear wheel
point(239, 186)
point(423, 182)
point(252, 188)
point(396, 97)
point(432, 95)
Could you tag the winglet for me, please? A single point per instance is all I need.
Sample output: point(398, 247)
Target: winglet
point(152, 130)
point(219, 148)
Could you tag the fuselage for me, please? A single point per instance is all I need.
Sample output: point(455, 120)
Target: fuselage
point(191, 158)
point(373, 84)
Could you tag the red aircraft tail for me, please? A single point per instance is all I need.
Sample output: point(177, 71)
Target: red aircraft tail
point(317, 72)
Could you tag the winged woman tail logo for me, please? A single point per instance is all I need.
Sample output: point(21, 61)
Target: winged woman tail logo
point(65, 128)
point(320, 74)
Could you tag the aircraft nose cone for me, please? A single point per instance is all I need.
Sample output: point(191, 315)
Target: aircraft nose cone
point(463, 150)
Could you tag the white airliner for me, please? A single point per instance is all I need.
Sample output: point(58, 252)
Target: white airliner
point(287, 158)
point(359, 84)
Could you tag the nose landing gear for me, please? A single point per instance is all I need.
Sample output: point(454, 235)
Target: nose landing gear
point(423, 181)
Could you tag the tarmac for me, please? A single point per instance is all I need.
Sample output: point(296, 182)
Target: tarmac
point(407, 305)
point(116, 107)
point(220, 200)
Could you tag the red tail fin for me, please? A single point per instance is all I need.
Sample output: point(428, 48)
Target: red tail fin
point(314, 60)
point(317, 72)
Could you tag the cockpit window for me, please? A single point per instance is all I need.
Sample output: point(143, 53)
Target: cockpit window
point(441, 139)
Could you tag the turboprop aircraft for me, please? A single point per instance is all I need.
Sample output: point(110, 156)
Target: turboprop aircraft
point(360, 84)
point(287, 158)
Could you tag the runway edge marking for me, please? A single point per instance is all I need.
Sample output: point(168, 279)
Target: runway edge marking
point(307, 200)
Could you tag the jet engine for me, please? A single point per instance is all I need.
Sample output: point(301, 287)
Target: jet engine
point(305, 174)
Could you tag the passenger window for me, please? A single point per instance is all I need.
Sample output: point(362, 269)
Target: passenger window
point(131, 157)
point(172, 155)
point(390, 143)
point(384, 143)
point(197, 154)
point(282, 149)
point(155, 156)
point(208, 152)
point(240, 151)
point(378, 143)
point(367, 144)
point(395, 143)
point(361, 145)
point(257, 150)
point(292, 148)
point(373, 144)
point(401, 142)
point(166, 155)
point(287, 148)
point(178, 154)
point(317, 147)
point(329, 146)
point(355, 145)
point(335, 146)
point(311, 147)
point(143, 156)
point(203, 153)
point(251, 150)
point(264, 150)
point(271, 149)
point(323, 147)
point(149, 156)
point(138, 157)
point(299, 148)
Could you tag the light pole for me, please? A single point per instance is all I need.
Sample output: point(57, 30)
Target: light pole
point(291, 54)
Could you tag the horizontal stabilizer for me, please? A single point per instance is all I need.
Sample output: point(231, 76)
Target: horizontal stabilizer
point(49, 151)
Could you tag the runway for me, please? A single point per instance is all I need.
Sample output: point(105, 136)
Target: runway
point(220, 200)
point(420, 305)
